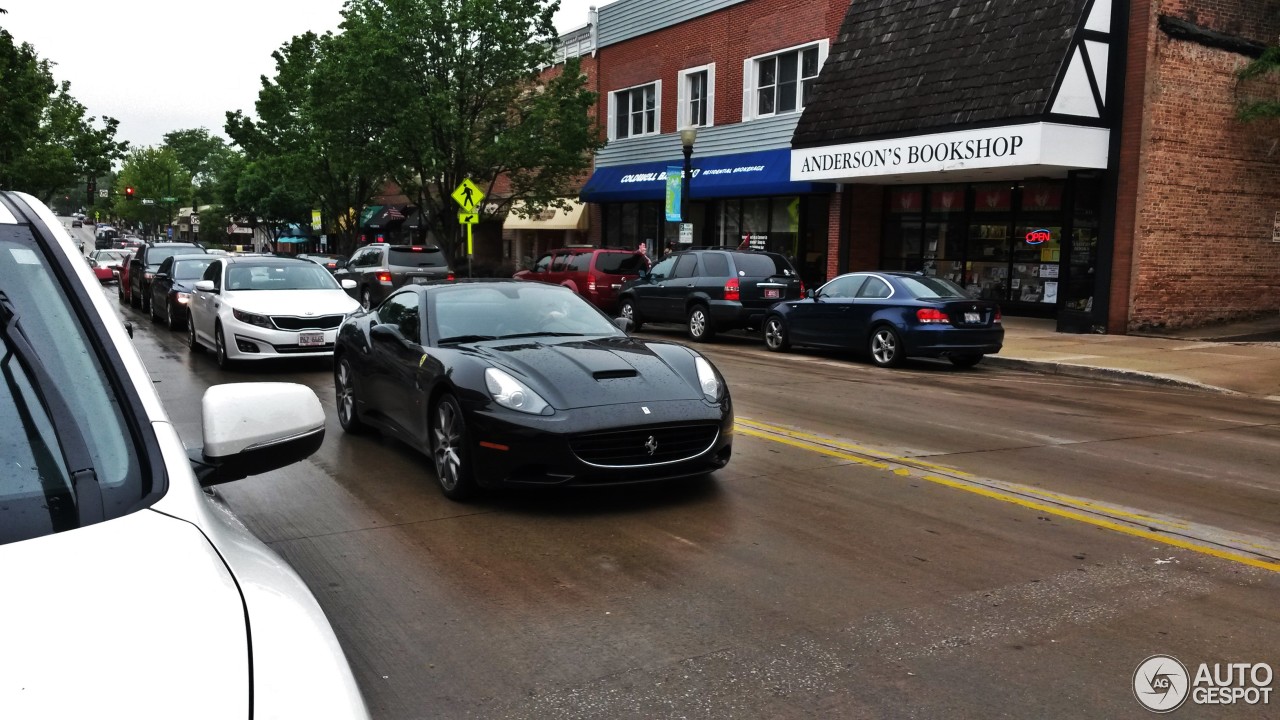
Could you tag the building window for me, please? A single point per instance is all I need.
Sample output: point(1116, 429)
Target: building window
point(635, 111)
point(697, 96)
point(783, 82)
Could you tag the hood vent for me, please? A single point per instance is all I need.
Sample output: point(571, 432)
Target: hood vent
point(612, 374)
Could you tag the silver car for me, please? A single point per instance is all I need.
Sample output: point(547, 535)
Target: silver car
point(128, 591)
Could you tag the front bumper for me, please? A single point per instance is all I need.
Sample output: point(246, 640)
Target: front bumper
point(606, 445)
point(251, 342)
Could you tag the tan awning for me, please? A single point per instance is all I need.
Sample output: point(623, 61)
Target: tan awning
point(550, 219)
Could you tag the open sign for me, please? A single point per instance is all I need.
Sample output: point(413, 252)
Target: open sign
point(1035, 237)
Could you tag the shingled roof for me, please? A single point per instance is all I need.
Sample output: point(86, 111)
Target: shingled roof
point(905, 67)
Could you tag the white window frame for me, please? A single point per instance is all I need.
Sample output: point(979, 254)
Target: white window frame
point(683, 116)
point(657, 110)
point(751, 71)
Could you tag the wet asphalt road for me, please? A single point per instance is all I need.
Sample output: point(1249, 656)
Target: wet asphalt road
point(918, 543)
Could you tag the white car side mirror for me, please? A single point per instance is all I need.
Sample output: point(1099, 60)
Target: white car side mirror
point(205, 286)
point(253, 428)
point(348, 284)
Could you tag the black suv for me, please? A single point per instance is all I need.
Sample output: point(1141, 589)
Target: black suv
point(144, 264)
point(379, 269)
point(711, 290)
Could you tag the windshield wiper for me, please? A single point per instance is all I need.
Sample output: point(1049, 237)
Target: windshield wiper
point(71, 439)
point(464, 339)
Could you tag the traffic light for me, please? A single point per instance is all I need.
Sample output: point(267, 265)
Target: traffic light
point(128, 192)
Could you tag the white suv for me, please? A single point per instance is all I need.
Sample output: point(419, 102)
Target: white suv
point(127, 591)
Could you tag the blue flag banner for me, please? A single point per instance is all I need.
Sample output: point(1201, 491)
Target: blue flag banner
point(674, 176)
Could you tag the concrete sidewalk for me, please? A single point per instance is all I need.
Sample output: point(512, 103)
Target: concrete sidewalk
point(1184, 358)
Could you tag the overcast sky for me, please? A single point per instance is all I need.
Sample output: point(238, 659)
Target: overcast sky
point(161, 65)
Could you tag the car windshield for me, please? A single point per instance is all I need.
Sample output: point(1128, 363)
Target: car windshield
point(293, 275)
point(110, 256)
point(416, 257)
point(159, 253)
point(762, 265)
point(476, 312)
point(927, 288)
point(51, 381)
point(620, 263)
point(190, 269)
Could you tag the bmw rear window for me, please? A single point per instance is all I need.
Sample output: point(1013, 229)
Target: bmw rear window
point(416, 257)
point(926, 288)
point(762, 265)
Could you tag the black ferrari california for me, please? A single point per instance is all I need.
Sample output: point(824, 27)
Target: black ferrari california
point(511, 383)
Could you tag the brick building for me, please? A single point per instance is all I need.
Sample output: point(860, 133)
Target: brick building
point(741, 71)
point(1078, 159)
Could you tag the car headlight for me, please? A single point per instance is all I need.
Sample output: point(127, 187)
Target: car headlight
point(252, 318)
point(710, 383)
point(184, 298)
point(511, 393)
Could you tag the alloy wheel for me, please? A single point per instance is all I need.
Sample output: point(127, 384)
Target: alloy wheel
point(344, 386)
point(220, 348)
point(699, 324)
point(449, 449)
point(775, 335)
point(886, 348)
point(192, 342)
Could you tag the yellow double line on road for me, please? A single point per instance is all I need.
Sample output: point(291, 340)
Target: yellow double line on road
point(1202, 539)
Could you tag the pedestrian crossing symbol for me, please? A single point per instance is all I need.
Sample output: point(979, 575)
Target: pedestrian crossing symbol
point(468, 195)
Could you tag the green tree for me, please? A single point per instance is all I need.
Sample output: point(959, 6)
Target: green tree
point(204, 156)
point(459, 94)
point(152, 173)
point(310, 139)
point(1264, 68)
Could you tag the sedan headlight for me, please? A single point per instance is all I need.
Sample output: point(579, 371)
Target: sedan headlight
point(511, 393)
point(184, 298)
point(710, 383)
point(252, 319)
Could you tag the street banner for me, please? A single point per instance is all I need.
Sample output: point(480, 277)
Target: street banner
point(315, 220)
point(675, 175)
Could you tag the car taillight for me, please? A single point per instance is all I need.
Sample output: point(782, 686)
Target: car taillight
point(997, 318)
point(384, 278)
point(732, 291)
point(932, 315)
point(450, 278)
point(803, 292)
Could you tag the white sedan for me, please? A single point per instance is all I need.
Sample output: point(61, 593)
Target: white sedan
point(259, 308)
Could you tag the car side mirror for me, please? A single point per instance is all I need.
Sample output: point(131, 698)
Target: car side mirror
point(206, 286)
point(253, 428)
point(347, 284)
point(92, 263)
point(624, 324)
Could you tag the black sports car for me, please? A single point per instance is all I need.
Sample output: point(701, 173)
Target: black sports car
point(522, 383)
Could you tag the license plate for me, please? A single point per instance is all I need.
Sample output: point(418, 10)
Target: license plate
point(972, 317)
point(421, 280)
point(771, 293)
point(310, 339)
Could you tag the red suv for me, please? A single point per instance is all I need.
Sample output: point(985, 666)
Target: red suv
point(594, 273)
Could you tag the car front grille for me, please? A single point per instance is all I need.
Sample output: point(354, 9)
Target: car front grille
point(298, 349)
point(645, 446)
point(322, 322)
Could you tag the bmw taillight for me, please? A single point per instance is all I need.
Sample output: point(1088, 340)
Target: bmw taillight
point(803, 292)
point(732, 291)
point(384, 278)
point(932, 315)
point(997, 319)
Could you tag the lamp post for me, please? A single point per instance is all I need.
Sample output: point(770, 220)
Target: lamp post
point(688, 135)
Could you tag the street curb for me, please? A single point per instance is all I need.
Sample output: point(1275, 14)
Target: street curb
point(1049, 367)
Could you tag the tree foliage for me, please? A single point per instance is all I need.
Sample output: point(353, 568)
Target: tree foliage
point(455, 91)
point(204, 156)
point(48, 143)
point(1265, 68)
point(153, 173)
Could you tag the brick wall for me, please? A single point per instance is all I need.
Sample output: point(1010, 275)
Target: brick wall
point(726, 37)
point(1208, 188)
point(866, 206)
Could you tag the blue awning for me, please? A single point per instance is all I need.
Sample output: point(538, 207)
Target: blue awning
point(767, 172)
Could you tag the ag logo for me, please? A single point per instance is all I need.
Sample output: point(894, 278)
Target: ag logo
point(1161, 683)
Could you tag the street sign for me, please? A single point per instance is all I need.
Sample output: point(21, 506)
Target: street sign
point(195, 219)
point(468, 195)
point(170, 199)
point(148, 201)
point(686, 233)
point(466, 218)
point(102, 192)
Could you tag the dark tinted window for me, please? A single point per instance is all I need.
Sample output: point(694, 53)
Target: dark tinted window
point(662, 270)
point(932, 287)
point(581, 262)
point(685, 266)
point(416, 257)
point(157, 254)
point(715, 265)
point(620, 263)
point(190, 269)
point(762, 265)
point(401, 310)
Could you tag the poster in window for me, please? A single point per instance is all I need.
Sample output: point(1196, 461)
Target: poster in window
point(1041, 196)
point(946, 198)
point(905, 200)
point(992, 198)
point(1048, 271)
point(1050, 292)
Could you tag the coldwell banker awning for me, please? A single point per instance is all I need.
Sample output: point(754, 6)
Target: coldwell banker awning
point(767, 172)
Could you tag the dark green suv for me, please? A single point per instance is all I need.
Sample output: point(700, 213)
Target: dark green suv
point(710, 290)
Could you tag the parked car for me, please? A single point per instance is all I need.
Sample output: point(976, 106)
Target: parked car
point(332, 263)
point(122, 277)
point(116, 562)
point(77, 223)
point(891, 316)
point(145, 263)
point(710, 290)
point(379, 268)
point(172, 285)
point(259, 308)
point(596, 274)
point(112, 260)
point(509, 383)
point(105, 237)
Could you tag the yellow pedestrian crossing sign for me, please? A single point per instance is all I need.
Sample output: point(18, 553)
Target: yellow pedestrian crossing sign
point(468, 195)
point(466, 218)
